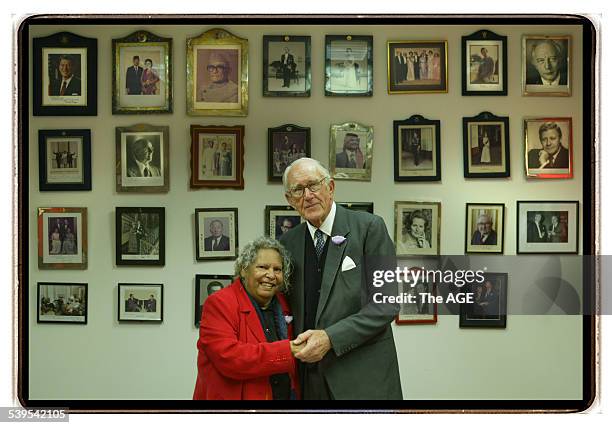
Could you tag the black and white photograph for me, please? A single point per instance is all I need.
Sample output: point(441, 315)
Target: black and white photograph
point(286, 66)
point(546, 65)
point(64, 159)
point(484, 228)
point(417, 228)
point(140, 302)
point(206, 285)
point(549, 147)
point(486, 146)
point(351, 148)
point(367, 207)
point(484, 60)
point(279, 219)
point(416, 67)
point(286, 143)
point(216, 233)
point(547, 227)
point(61, 302)
point(420, 310)
point(140, 236)
point(62, 238)
point(416, 142)
point(489, 302)
point(348, 65)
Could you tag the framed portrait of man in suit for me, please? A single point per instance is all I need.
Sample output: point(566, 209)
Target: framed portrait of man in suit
point(549, 147)
point(140, 302)
point(140, 236)
point(216, 233)
point(62, 238)
point(349, 70)
point(279, 219)
point(489, 301)
point(350, 151)
point(484, 228)
point(205, 285)
point(418, 305)
point(547, 227)
point(484, 64)
point(286, 63)
point(546, 65)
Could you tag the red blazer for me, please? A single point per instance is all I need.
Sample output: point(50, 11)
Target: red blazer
point(234, 358)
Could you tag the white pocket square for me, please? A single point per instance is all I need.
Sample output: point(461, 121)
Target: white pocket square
point(348, 264)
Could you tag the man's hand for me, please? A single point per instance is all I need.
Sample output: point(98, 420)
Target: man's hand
point(543, 158)
point(296, 348)
point(317, 345)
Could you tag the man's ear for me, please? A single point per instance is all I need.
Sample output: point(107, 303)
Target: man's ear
point(332, 185)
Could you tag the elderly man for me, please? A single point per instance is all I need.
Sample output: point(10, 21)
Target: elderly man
point(484, 234)
point(217, 241)
point(69, 84)
point(349, 352)
point(549, 61)
point(350, 156)
point(552, 154)
point(139, 163)
point(219, 88)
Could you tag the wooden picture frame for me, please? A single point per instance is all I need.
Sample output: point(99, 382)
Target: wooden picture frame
point(62, 238)
point(486, 146)
point(549, 147)
point(484, 64)
point(205, 285)
point(349, 66)
point(278, 219)
point(546, 65)
point(416, 149)
point(350, 151)
point(140, 237)
point(216, 233)
point(140, 302)
point(428, 73)
point(286, 66)
point(489, 309)
point(64, 159)
point(286, 143)
point(484, 228)
point(61, 302)
point(550, 237)
point(424, 239)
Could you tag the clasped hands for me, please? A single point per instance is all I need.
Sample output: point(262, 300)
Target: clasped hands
point(311, 346)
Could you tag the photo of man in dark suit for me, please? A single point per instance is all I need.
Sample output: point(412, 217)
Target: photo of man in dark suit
point(140, 159)
point(552, 154)
point(68, 84)
point(549, 63)
point(288, 67)
point(133, 76)
point(484, 234)
point(217, 241)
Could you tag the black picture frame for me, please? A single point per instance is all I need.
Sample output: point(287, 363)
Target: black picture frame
point(67, 314)
point(484, 82)
point(201, 295)
point(275, 216)
point(367, 207)
point(149, 252)
point(403, 132)
point(281, 152)
point(485, 243)
point(480, 313)
point(228, 218)
point(141, 310)
point(81, 159)
point(333, 63)
point(275, 70)
point(72, 45)
point(568, 214)
point(475, 129)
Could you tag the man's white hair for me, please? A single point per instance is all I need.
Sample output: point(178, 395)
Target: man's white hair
point(306, 161)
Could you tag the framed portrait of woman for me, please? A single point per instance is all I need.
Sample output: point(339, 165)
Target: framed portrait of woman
point(484, 64)
point(349, 70)
point(486, 146)
point(62, 238)
point(416, 149)
point(417, 228)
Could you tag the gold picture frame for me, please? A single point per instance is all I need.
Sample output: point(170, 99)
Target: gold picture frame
point(553, 76)
point(429, 71)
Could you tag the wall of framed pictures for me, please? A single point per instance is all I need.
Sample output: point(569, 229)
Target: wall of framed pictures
point(155, 358)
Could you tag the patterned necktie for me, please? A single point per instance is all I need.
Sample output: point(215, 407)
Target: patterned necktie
point(63, 88)
point(319, 243)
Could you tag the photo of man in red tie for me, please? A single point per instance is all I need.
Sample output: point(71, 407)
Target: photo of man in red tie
point(67, 84)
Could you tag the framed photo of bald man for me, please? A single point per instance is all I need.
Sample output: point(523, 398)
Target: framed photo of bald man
point(217, 74)
point(216, 233)
point(484, 228)
point(548, 147)
point(546, 65)
point(350, 151)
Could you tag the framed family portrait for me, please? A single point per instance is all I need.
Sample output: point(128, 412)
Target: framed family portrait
point(489, 302)
point(546, 65)
point(217, 156)
point(367, 207)
point(486, 146)
point(549, 147)
point(142, 74)
point(216, 233)
point(217, 74)
point(484, 228)
point(484, 59)
point(142, 159)
point(205, 285)
point(349, 67)
point(419, 310)
point(547, 227)
point(64, 159)
point(286, 66)
point(280, 219)
point(416, 67)
point(416, 149)
point(286, 143)
point(62, 238)
point(140, 302)
point(61, 302)
point(417, 228)
point(65, 75)
point(350, 151)
point(140, 236)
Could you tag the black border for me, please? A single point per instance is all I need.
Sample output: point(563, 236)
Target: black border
point(85, 135)
point(488, 323)
point(284, 128)
point(485, 116)
point(199, 277)
point(307, 66)
point(201, 257)
point(161, 211)
point(416, 119)
point(39, 284)
point(140, 284)
point(468, 238)
point(479, 35)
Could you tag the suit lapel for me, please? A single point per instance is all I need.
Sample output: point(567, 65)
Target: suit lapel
point(296, 248)
point(252, 319)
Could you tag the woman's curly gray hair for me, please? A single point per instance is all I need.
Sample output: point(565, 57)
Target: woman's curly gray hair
point(248, 254)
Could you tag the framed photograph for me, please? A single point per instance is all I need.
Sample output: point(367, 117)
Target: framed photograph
point(547, 227)
point(286, 66)
point(546, 65)
point(416, 149)
point(65, 81)
point(484, 228)
point(62, 238)
point(217, 74)
point(418, 309)
point(286, 143)
point(350, 151)
point(61, 302)
point(140, 302)
point(490, 301)
point(349, 70)
point(417, 228)
point(217, 156)
point(142, 74)
point(416, 67)
point(367, 207)
point(216, 233)
point(484, 59)
point(549, 147)
point(205, 285)
point(280, 219)
point(486, 146)
point(142, 153)
point(64, 159)
point(140, 236)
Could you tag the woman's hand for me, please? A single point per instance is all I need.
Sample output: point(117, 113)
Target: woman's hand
point(296, 348)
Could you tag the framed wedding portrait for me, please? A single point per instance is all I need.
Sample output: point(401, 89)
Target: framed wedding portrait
point(486, 146)
point(286, 143)
point(61, 302)
point(484, 59)
point(417, 228)
point(419, 310)
point(547, 227)
point(349, 66)
point(217, 74)
point(546, 65)
point(142, 74)
point(350, 151)
point(216, 232)
point(416, 67)
point(205, 286)
point(140, 236)
point(280, 219)
point(286, 66)
point(64, 159)
point(62, 238)
point(484, 228)
point(142, 159)
point(416, 149)
point(489, 304)
point(217, 156)
point(549, 148)
point(140, 302)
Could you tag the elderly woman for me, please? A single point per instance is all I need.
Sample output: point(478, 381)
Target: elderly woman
point(244, 349)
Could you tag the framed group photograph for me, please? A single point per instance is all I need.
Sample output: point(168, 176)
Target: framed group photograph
point(140, 302)
point(65, 75)
point(419, 310)
point(64, 159)
point(549, 147)
point(142, 159)
point(217, 156)
point(286, 66)
point(486, 146)
point(286, 143)
point(205, 285)
point(61, 302)
point(546, 65)
point(140, 236)
point(417, 228)
point(216, 233)
point(484, 64)
point(217, 74)
point(62, 238)
point(367, 207)
point(280, 219)
point(142, 74)
point(350, 151)
point(416, 67)
point(416, 149)
point(547, 227)
point(489, 302)
point(349, 67)
point(484, 228)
